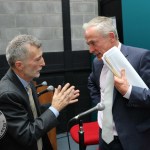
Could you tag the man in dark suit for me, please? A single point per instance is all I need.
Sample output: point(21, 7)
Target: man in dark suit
point(26, 126)
point(131, 104)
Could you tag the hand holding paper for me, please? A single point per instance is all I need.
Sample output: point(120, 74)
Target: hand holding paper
point(116, 61)
point(121, 83)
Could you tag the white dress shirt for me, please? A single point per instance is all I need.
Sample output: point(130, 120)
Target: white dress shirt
point(102, 87)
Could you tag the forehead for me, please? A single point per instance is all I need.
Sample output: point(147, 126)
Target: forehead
point(92, 32)
point(92, 35)
point(34, 51)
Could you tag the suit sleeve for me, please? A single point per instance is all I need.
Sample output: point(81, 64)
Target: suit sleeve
point(141, 96)
point(93, 86)
point(20, 125)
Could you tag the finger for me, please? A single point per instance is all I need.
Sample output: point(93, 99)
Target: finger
point(73, 101)
point(76, 91)
point(65, 87)
point(75, 95)
point(117, 79)
point(123, 74)
point(69, 91)
point(69, 94)
point(57, 90)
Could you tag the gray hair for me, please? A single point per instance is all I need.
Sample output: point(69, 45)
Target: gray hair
point(103, 24)
point(17, 48)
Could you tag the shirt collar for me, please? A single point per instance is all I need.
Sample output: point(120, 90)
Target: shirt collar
point(25, 83)
point(119, 46)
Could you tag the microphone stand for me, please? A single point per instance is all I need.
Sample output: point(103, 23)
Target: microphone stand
point(81, 136)
point(98, 107)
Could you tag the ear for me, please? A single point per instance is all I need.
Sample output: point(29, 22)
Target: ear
point(19, 65)
point(112, 36)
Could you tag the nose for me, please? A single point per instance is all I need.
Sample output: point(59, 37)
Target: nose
point(91, 49)
point(42, 62)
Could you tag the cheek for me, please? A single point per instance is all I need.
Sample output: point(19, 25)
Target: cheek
point(99, 47)
point(35, 65)
point(107, 45)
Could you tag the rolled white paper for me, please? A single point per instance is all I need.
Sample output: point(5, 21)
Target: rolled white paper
point(116, 61)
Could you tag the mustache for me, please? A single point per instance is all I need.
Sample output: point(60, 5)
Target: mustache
point(98, 53)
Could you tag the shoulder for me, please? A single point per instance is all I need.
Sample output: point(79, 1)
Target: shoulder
point(7, 85)
point(135, 54)
point(9, 90)
point(135, 50)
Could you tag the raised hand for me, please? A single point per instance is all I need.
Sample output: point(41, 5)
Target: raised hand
point(64, 96)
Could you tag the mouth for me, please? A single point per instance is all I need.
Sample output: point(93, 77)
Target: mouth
point(39, 71)
point(99, 54)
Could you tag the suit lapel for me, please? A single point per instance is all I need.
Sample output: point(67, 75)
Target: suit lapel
point(12, 76)
point(124, 50)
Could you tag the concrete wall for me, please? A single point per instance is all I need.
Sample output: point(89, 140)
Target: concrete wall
point(81, 11)
point(43, 19)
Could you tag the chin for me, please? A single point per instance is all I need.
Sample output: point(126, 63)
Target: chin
point(99, 58)
point(37, 75)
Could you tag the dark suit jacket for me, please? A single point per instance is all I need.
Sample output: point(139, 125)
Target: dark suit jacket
point(22, 131)
point(131, 117)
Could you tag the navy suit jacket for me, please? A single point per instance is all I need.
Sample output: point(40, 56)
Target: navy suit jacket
point(131, 116)
point(22, 130)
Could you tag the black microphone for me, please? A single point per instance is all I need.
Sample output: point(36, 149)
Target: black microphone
point(39, 85)
point(98, 107)
point(49, 88)
point(3, 125)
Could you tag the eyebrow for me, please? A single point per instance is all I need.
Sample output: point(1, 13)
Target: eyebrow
point(90, 42)
point(41, 55)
